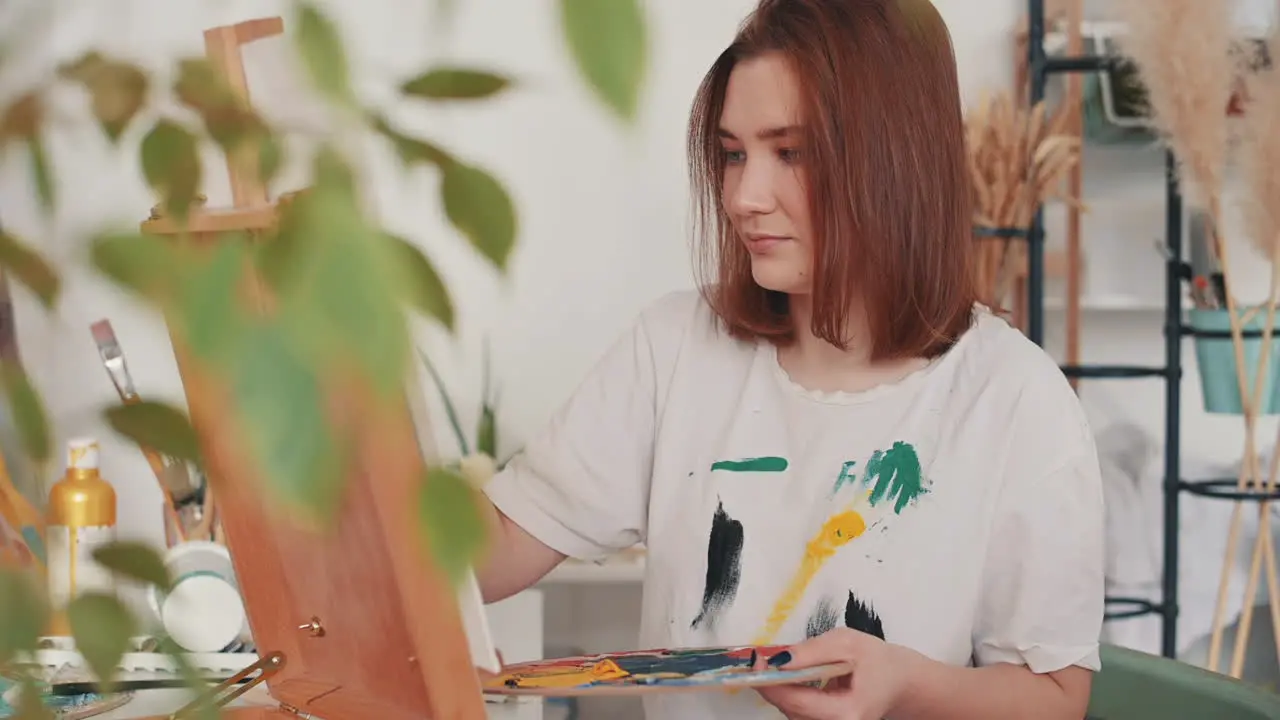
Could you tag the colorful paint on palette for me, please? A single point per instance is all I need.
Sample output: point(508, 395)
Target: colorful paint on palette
point(654, 669)
point(757, 464)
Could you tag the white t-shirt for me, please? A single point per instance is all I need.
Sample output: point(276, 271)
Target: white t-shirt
point(957, 511)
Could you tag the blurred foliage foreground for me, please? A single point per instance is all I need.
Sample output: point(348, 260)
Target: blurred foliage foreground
point(341, 287)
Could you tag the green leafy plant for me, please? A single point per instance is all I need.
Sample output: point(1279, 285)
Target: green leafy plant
point(343, 288)
point(486, 434)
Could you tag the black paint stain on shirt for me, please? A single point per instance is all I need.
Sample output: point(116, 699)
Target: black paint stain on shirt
point(823, 619)
point(859, 616)
point(724, 570)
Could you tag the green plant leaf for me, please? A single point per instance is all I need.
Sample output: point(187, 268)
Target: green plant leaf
point(487, 431)
point(26, 613)
point(270, 158)
point(450, 411)
point(479, 206)
point(30, 269)
point(171, 166)
point(145, 265)
point(411, 150)
point(21, 119)
point(364, 318)
point(227, 116)
point(31, 704)
point(201, 87)
point(206, 709)
point(157, 426)
point(21, 122)
point(423, 287)
point(344, 289)
point(282, 405)
point(136, 561)
point(323, 53)
point(487, 427)
point(118, 90)
point(609, 43)
point(28, 411)
point(211, 317)
point(40, 172)
point(451, 521)
point(455, 83)
point(102, 627)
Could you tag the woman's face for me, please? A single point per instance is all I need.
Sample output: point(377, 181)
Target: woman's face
point(764, 190)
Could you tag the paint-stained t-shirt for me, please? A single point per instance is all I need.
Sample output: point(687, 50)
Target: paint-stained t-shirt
point(957, 511)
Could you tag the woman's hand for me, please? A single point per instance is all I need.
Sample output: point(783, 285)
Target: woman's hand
point(880, 677)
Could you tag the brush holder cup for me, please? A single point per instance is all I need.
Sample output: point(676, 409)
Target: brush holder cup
point(1216, 357)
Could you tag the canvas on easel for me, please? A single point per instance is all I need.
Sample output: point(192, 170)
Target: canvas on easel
point(353, 621)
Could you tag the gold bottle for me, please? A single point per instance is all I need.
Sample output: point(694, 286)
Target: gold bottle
point(81, 518)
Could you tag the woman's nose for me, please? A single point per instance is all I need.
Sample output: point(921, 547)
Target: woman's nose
point(753, 193)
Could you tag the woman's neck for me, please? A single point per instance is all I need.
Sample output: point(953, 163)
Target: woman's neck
point(818, 365)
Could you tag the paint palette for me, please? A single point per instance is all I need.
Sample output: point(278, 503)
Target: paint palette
point(650, 671)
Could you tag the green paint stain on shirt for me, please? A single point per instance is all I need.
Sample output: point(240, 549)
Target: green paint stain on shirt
point(847, 476)
point(895, 475)
point(760, 464)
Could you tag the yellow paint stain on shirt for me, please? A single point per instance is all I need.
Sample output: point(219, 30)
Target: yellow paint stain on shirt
point(836, 532)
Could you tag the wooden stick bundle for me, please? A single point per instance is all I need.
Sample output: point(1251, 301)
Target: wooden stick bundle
point(1017, 160)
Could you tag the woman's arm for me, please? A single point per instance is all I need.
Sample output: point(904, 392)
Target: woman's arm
point(891, 681)
point(935, 691)
point(514, 560)
point(580, 486)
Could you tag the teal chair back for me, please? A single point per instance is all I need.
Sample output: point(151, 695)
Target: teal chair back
point(1139, 686)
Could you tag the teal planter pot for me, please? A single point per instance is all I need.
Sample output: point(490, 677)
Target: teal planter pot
point(1216, 357)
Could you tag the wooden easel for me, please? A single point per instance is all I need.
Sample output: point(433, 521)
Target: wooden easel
point(351, 624)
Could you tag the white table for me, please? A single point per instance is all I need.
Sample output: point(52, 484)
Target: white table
point(147, 703)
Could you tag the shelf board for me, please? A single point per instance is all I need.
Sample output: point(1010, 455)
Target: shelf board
point(1109, 303)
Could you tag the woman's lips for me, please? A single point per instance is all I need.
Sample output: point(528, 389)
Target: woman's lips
point(764, 243)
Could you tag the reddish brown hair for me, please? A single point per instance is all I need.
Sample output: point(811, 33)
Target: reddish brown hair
point(884, 153)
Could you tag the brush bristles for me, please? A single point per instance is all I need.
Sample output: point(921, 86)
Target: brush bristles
point(103, 334)
point(1182, 49)
point(1260, 156)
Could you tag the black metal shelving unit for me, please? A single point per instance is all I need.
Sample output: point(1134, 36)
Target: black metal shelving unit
point(1041, 67)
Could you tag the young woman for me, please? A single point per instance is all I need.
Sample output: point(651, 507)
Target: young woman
point(831, 446)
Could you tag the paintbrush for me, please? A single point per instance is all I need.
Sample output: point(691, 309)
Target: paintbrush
point(173, 476)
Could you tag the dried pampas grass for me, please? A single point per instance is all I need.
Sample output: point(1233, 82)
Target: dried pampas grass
point(1260, 157)
point(1017, 159)
point(1182, 49)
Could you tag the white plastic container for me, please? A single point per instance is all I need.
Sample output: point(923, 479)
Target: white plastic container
point(204, 612)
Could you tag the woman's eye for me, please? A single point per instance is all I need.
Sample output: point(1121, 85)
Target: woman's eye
point(735, 157)
point(789, 155)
